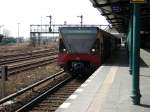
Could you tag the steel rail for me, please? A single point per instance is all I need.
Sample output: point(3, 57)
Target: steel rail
point(26, 57)
point(28, 53)
point(38, 99)
point(28, 65)
point(13, 50)
point(3, 100)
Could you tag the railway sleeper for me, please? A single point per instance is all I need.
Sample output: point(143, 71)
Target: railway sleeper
point(56, 98)
point(52, 101)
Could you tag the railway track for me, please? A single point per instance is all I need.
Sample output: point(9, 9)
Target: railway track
point(11, 52)
point(30, 65)
point(25, 61)
point(8, 49)
point(22, 53)
point(27, 65)
point(59, 88)
point(50, 100)
point(26, 94)
point(8, 59)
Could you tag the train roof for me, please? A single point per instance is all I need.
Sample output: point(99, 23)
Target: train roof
point(74, 28)
point(107, 33)
point(84, 30)
point(78, 30)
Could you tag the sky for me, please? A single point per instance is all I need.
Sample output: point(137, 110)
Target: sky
point(28, 12)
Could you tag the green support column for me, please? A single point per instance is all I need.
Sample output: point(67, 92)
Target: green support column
point(130, 38)
point(129, 43)
point(136, 55)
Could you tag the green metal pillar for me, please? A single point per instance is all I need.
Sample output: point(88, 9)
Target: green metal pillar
point(130, 42)
point(136, 55)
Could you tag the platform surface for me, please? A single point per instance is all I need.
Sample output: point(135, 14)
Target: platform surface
point(109, 88)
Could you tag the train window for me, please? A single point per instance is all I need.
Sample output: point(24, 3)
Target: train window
point(61, 45)
point(79, 43)
point(96, 46)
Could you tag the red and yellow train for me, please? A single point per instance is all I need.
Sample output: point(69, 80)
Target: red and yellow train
point(83, 49)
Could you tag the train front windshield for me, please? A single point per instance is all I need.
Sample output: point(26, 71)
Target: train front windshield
point(79, 40)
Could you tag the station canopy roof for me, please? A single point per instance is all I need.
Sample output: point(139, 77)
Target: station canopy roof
point(117, 13)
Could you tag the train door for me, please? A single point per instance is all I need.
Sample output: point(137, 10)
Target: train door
point(101, 47)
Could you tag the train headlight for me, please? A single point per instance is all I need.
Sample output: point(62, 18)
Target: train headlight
point(64, 50)
point(93, 50)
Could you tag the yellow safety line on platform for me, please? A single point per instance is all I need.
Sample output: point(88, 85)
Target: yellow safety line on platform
point(100, 98)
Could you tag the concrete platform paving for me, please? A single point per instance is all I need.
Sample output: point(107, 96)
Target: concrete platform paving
point(109, 88)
